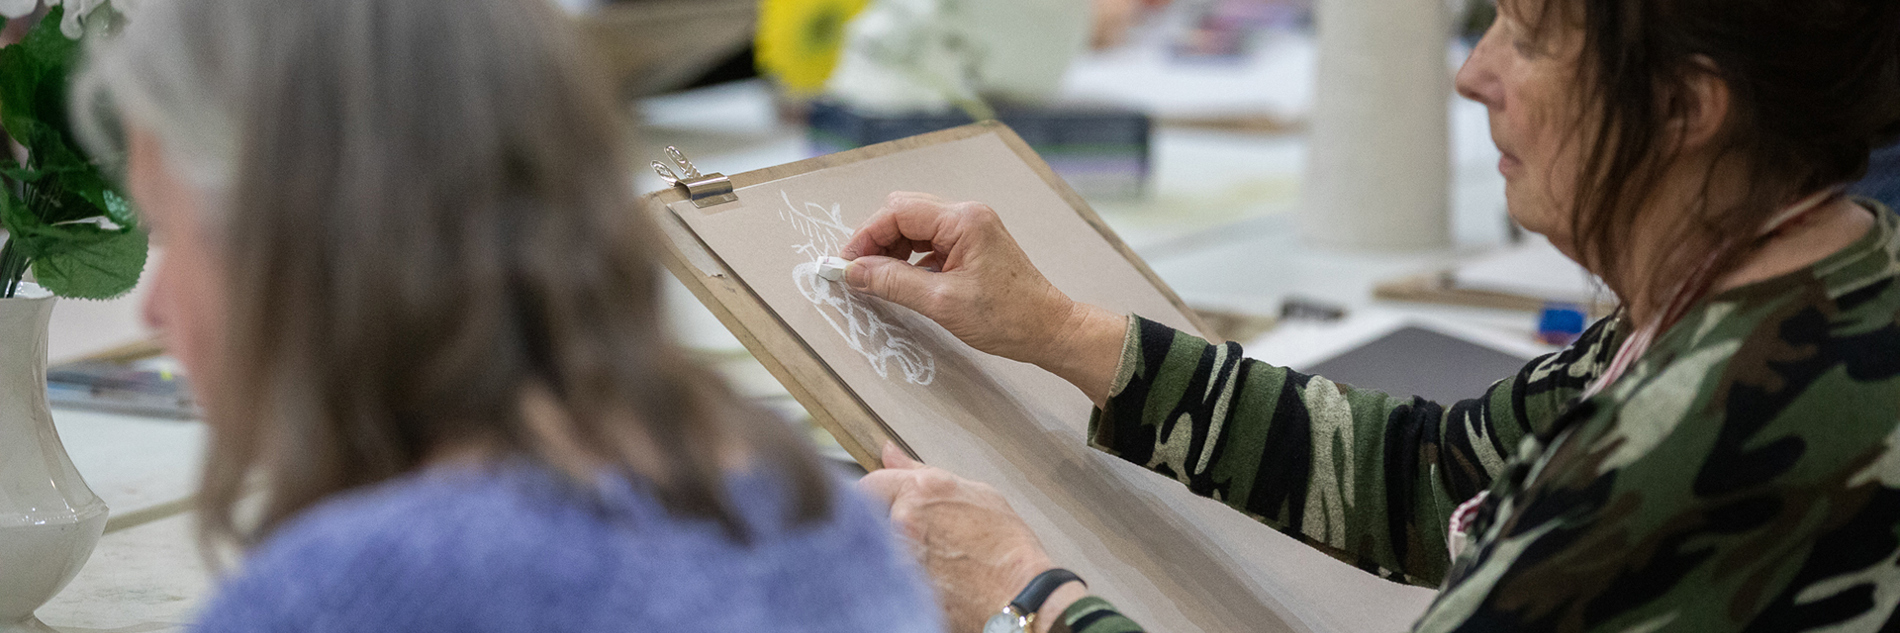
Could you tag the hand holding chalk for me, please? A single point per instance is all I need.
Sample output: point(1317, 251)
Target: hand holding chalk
point(832, 268)
point(988, 293)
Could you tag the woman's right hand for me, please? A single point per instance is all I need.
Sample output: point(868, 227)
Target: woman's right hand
point(977, 283)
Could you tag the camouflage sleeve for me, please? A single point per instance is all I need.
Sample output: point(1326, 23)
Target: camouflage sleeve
point(1093, 615)
point(1368, 478)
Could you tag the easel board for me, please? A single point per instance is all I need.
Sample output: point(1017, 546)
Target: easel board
point(871, 371)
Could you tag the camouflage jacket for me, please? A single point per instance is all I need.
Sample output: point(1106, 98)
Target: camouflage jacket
point(1742, 475)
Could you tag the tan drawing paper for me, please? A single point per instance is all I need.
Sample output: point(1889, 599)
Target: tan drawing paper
point(1173, 561)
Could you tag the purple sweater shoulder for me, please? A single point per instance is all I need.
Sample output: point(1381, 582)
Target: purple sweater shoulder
point(509, 549)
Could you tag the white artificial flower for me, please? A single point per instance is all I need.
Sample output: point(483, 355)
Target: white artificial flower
point(17, 8)
point(75, 11)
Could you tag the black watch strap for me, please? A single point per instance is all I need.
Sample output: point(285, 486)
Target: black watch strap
point(1045, 583)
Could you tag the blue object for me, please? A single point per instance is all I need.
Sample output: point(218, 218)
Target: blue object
point(1883, 178)
point(469, 550)
point(1560, 323)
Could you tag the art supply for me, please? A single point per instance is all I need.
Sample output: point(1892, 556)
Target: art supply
point(1560, 323)
point(871, 371)
point(1525, 277)
point(1301, 308)
point(152, 387)
point(832, 268)
point(1379, 166)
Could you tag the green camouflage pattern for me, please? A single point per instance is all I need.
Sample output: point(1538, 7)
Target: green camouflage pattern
point(1093, 615)
point(1743, 475)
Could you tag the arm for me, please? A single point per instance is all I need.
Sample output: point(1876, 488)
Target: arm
point(1369, 478)
point(977, 283)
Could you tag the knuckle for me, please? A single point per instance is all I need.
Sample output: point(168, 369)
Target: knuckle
point(937, 484)
point(884, 277)
point(982, 213)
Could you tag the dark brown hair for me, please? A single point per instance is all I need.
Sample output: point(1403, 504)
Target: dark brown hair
point(1814, 87)
point(432, 244)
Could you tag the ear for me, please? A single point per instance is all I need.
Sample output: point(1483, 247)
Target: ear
point(1705, 105)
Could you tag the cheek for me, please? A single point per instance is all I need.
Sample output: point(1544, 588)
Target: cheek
point(1548, 146)
point(187, 305)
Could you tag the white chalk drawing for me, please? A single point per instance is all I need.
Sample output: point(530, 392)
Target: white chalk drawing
point(865, 324)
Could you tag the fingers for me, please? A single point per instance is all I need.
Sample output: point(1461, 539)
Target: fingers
point(934, 262)
point(907, 220)
point(884, 485)
point(894, 457)
point(893, 280)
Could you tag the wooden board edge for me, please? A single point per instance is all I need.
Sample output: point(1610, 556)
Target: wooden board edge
point(1082, 208)
point(830, 402)
point(868, 152)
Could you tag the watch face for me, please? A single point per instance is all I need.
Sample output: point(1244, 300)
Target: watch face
point(1004, 622)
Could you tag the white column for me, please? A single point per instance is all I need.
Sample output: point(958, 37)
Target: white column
point(1379, 167)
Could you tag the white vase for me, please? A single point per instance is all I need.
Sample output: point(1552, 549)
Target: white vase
point(49, 519)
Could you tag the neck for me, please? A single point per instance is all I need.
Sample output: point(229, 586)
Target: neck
point(1825, 232)
point(1815, 236)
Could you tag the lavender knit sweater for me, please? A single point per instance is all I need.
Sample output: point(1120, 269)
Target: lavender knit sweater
point(507, 549)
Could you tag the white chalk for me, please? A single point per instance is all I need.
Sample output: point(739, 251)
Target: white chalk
point(832, 268)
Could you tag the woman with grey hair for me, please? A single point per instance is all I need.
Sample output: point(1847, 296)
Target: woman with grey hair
point(403, 264)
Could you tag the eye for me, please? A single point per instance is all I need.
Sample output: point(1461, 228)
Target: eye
point(1514, 31)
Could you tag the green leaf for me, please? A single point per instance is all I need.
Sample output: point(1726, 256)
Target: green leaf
point(103, 269)
point(38, 238)
point(118, 209)
point(12, 169)
point(34, 74)
point(22, 226)
point(80, 233)
point(34, 82)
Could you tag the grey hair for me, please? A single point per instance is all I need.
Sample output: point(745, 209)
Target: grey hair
point(430, 247)
point(178, 71)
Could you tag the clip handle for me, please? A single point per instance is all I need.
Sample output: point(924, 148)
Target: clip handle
point(666, 173)
point(704, 190)
point(679, 158)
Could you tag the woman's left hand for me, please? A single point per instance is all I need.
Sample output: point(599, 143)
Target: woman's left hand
point(975, 548)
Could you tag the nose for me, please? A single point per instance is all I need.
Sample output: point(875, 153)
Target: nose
point(1478, 79)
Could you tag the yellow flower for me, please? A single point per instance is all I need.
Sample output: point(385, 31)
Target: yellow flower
point(800, 40)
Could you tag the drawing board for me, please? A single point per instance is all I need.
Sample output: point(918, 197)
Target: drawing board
point(872, 371)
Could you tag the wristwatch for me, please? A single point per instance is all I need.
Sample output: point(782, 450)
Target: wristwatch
point(1020, 614)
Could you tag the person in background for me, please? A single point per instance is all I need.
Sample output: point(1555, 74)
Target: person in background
point(1720, 454)
point(404, 268)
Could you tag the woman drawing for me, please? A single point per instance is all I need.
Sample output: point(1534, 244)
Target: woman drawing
point(1721, 454)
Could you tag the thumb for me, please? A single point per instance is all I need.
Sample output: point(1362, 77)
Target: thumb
point(895, 457)
point(890, 279)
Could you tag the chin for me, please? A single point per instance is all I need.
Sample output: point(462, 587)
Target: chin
point(1536, 217)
